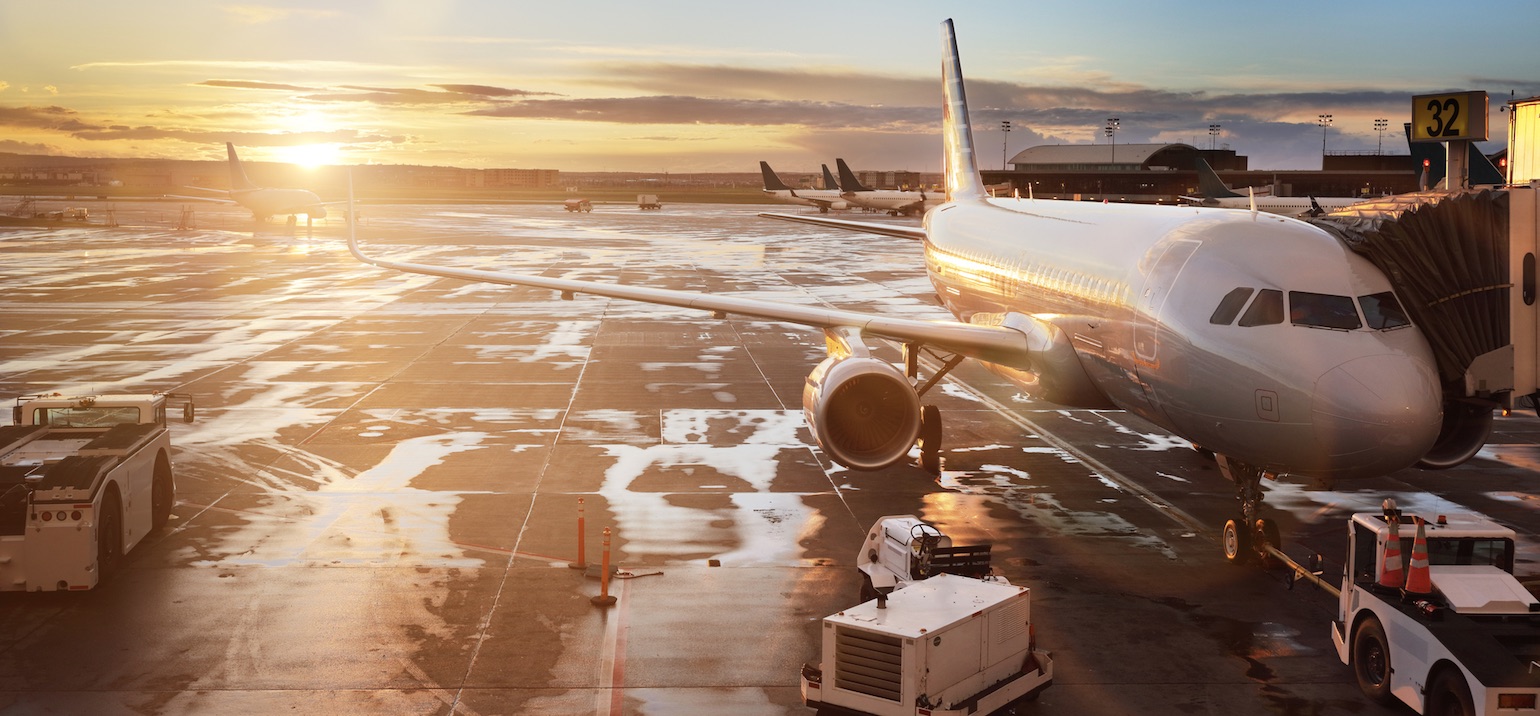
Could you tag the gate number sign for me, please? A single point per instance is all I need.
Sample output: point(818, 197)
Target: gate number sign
point(1446, 117)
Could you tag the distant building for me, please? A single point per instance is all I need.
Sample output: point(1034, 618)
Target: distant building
point(889, 180)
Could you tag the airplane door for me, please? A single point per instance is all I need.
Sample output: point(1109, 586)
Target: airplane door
point(1157, 286)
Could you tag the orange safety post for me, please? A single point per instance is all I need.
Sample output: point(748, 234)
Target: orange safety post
point(604, 599)
point(582, 560)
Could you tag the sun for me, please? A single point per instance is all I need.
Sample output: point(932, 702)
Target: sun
point(310, 156)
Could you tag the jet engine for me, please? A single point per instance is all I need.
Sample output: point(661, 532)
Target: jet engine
point(863, 411)
point(1467, 425)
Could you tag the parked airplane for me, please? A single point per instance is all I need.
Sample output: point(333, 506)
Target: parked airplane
point(828, 178)
point(1258, 337)
point(1210, 186)
point(1296, 206)
point(889, 200)
point(824, 199)
point(263, 203)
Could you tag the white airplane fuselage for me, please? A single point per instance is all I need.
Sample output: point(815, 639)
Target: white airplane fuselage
point(1284, 205)
point(822, 198)
point(276, 202)
point(1132, 288)
point(892, 200)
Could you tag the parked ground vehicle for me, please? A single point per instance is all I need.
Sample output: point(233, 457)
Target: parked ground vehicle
point(648, 201)
point(902, 549)
point(582, 205)
point(944, 645)
point(1457, 635)
point(82, 480)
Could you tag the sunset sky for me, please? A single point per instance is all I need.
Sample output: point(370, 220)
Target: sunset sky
point(712, 86)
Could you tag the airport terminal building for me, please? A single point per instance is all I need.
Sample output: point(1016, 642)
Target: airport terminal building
point(1162, 173)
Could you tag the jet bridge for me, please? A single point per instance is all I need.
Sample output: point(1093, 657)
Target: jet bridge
point(1463, 263)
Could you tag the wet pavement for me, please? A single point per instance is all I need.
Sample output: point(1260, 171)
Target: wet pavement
point(379, 503)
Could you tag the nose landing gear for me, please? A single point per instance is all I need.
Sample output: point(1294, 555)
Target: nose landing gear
point(1248, 537)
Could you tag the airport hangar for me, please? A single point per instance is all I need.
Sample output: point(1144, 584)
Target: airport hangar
point(1161, 173)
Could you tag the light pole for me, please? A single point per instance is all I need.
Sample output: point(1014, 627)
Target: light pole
point(1005, 136)
point(1213, 136)
point(1112, 135)
point(1379, 126)
point(1325, 121)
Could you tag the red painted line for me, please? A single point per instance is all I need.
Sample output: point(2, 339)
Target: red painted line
point(618, 675)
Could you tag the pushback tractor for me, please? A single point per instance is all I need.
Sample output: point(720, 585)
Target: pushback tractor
point(83, 479)
point(1447, 630)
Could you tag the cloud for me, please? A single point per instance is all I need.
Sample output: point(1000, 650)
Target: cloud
point(488, 91)
point(703, 110)
point(252, 84)
point(50, 89)
point(245, 139)
point(15, 147)
point(54, 118)
point(260, 14)
point(4, 86)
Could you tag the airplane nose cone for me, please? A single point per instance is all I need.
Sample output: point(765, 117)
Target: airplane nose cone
point(1377, 414)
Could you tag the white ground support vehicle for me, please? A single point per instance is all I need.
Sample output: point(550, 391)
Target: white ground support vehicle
point(82, 480)
point(945, 645)
point(1471, 646)
point(903, 549)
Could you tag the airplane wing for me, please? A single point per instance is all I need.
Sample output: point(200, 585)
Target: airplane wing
point(898, 231)
point(215, 200)
point(993, 343)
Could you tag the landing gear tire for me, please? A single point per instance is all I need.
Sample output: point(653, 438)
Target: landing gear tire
point(929, 440)
point(1237, 543)
point(1450, 696)
point(1371, 662)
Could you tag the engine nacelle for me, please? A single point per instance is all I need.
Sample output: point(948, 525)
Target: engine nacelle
point(1467, 425)
point(863, 411)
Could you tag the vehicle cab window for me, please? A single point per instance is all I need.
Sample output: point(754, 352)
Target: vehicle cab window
point(1266, 310)
point(1320, 310)
point(1230, 306)
point(1383, 312)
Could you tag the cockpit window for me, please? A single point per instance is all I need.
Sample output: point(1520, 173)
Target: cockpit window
point(1266, 310)
point(1321, 310)
point(1230, 306)
point(1382, 311)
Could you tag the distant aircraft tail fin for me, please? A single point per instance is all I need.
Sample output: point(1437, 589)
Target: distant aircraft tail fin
point(238, 180)
point(962, 170)
point(828, 179)
point(848, 180)
point(772, 182)
point(1209, 183)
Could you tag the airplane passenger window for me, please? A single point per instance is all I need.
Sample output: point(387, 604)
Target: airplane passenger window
point(1230, 306)
point(1266, 310)
point(1382, 311)
point(1319, 310)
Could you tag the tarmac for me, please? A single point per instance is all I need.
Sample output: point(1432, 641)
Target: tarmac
point(379, 503)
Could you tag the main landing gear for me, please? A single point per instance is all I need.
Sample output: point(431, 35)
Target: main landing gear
point(1249, 536)
point(929, 440)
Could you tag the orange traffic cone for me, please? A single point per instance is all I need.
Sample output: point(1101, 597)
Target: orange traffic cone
point(1418, 581)
point(1390, 573)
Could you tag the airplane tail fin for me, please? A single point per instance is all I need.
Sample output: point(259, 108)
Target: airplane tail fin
point(828, 179)
point(238, 180)
point(1209, 183)
point(772, 182)
point(962, 170)
point(848, 180)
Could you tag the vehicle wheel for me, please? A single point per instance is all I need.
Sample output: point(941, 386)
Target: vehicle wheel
point(929, 439)
point(162, 494)
point(1450, 696)
point(1237, 543)
point(1371, 661)
point(1265, 532)
point(109, 536)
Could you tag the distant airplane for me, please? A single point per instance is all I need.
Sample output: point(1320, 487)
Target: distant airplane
point(263, 203)
point(1210, 186)
point(892, 201)
point(1260, 338)
point(824, 199)
point(828, 178)
point(1216, 194)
